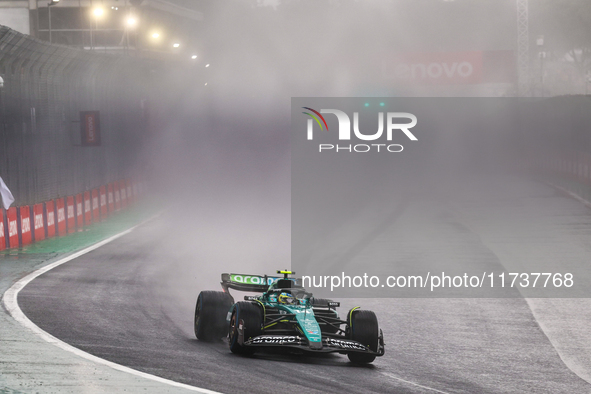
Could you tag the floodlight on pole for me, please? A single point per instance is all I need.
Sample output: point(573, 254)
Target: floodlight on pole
point(98, 12)
point(542, 56)
point(176, 45)
point(52, 2)
point(131, 21)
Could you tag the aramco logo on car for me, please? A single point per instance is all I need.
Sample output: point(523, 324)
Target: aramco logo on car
point(393, 125)
point(252, 280)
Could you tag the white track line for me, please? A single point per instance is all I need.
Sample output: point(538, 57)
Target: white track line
point(569, 193)
point(412, 383)
point(11, 305)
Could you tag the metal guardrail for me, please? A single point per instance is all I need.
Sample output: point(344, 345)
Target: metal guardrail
point(45, 88)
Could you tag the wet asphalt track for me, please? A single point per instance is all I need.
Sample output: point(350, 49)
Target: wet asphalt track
point(132, 301)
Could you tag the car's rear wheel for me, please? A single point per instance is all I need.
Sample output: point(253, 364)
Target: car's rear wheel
point(251, 316)
point(211, 311)
point(363, 328)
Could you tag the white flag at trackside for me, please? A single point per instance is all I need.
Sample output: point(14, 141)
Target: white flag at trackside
point(7, 198)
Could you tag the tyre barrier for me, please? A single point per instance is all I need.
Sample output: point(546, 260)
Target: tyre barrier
point(23, 225)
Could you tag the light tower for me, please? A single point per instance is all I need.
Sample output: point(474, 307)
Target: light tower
point(523, 77)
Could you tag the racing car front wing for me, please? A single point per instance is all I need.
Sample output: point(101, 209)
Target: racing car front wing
point(329, 344)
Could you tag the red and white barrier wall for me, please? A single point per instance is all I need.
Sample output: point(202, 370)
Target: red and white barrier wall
point(23, 225)
point(572, 164)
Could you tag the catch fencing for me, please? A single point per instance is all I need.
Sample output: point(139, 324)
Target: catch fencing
point(43, 155)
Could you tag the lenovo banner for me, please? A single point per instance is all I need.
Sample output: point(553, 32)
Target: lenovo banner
point(71, 211)
point(12, 219)
point(90, 130)
point(103, 201)
point(87, 208)
point(110, 199)
point(50, 218)
point(39, 222)
point(95, 205)
point(60, 208)
point(79, 210)
point(451, 68)
point(25, 225)
point(117, 196)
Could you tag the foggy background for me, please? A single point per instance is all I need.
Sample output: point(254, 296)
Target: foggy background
point(221, 158)
point(217, 140)
point(212, 134)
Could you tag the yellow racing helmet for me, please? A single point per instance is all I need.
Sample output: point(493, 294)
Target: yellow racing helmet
point(286, 298)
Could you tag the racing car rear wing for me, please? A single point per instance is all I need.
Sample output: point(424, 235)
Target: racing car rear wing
point(252, 283)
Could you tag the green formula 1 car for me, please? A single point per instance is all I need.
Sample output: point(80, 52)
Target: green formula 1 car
point(287, 316)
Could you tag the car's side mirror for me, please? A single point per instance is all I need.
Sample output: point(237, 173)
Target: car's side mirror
point(305, 300)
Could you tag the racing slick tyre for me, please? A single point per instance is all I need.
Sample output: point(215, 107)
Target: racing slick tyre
point(210, 314)
point(251, 316)
point(363, 328)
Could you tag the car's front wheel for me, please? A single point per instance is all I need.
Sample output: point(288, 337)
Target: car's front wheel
point(363, 328)
point(250, 316)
